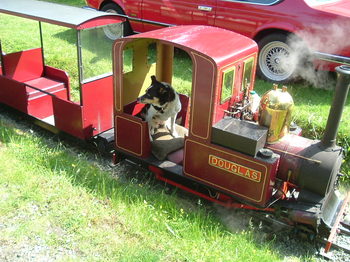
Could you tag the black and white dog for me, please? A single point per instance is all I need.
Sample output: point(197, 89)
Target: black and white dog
point(164, 104)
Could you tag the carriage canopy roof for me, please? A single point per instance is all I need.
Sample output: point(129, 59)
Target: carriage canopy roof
point(63, 15)
point(215, 43)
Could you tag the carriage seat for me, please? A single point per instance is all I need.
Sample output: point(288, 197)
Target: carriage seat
point(28, 67)
point(45, 84)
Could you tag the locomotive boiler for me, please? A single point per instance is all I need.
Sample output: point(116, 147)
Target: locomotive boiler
point(311, 168)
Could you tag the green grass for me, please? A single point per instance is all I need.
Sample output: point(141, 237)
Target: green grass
point(60, 199)
point(64, 198)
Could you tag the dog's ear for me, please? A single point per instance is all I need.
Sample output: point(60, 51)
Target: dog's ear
point(154, 79)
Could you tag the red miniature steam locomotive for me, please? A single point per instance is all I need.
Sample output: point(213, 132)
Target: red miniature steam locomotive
point(266, 166)
point(235, 150)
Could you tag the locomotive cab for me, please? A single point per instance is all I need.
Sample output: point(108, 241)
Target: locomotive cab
point(229, 148)
point(222, 78)
point(139, 60)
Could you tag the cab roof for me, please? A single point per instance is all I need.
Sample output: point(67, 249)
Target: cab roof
point(63, 15)
point(216, 43)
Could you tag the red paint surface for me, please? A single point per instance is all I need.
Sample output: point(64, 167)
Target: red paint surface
point(291, 149)
point(39, 103)
point(23, 66)
point(13, 93)
point(132, 135)
point(197, 165)
point(23, 74)
point(97, 101)
point(69, 118)
point(58, 75)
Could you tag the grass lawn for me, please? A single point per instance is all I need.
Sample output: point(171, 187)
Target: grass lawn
point(61, 202)
point(66, 201)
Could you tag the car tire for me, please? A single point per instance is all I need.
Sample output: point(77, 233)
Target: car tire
point(114, 32)
point(276, 58)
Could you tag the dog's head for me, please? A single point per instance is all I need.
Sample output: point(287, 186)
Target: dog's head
point(158, 93)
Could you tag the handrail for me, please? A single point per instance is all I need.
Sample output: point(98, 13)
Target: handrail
point(331, 58)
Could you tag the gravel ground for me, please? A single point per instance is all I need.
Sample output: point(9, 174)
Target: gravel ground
point(33, 250)
point(289, 245)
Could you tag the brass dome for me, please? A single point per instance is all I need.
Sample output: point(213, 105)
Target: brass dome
point(275, 112)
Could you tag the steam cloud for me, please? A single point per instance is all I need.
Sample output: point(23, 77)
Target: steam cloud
point(329, 38)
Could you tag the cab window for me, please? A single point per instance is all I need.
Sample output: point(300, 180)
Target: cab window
point(247, 73)
point(227, 84)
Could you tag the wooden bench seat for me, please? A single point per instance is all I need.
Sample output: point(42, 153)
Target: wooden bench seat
point(45, 84)
point(30, 84)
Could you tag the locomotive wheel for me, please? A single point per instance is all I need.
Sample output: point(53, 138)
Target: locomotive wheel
point(276, 56)
point(305, 232)
point(114, 32)
point(103, 147)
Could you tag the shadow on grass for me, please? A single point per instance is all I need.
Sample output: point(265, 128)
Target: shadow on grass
point(81, 163)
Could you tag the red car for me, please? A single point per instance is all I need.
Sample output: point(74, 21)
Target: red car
point(276, 25)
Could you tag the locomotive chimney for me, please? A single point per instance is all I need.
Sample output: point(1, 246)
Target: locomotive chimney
point(335, 113)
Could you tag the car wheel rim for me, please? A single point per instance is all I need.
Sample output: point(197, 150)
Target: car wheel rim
point(113, 32)
point(275, 61)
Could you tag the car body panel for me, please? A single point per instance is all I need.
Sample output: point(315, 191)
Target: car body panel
point(184, 12)
point(321, 24)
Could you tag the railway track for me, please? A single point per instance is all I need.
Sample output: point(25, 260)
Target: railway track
point(339, 237)
point(339, 250)
point(336, 248)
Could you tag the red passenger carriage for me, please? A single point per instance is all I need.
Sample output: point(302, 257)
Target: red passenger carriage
point(41, 91)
